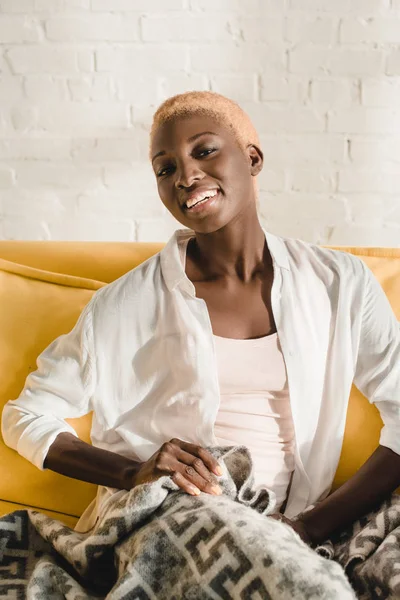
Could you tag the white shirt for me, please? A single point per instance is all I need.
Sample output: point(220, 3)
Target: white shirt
point(142, 357)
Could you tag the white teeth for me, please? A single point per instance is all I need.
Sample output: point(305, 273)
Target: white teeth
point(200, 197)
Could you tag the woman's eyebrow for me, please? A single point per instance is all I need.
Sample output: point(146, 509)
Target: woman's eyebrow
point(191, 139)
point(197, 135)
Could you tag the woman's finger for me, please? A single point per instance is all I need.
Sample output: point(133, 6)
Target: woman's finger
point(208, 459)
point(184, 484)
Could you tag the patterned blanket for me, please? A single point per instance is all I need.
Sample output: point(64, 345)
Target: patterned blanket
point(157, 542)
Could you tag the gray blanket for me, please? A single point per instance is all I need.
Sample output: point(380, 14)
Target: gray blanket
point(157, 542)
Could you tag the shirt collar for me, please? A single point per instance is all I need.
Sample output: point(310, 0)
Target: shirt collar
point(174, 273)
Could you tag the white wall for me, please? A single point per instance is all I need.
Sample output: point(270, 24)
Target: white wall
point(80, 80)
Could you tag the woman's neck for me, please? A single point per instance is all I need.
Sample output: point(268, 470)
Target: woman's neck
point(232, 252)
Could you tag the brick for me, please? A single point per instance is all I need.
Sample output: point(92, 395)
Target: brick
point(322, 207)
point(16, 6)
point(363, 235)
point(11, 88)
point(96, 27)
point(34, 175)
point(43, 203)
point(142, 59)
point(240, 88)
point(64, 6)
point(244, 58)
point(313, 180)
point(307, 229)
point(137, 5)
point(141, 91)
point(393, 63)
point(317, 60)
point(308, 59)
point(334, 93)
point(363, 6)
point(24, 228)
point(303, 149)
point(381, 92)
point(375, 151)
point(7, 177)
point(370, 209)
point(364, 120)
point(19, 29)
point(120, 204)
point(248, 7)
point(24, 118)
point(44, 88)
point(156, 230)
point(311, 29)
point(34, 148)
point(368, 180)
point(143, 115)
point(91, 228)
point(284, 119)
point(5, 68)
point(38, 59)
point(137, 176)
point(187, 28)
point(117, 150)
point(93, 88)
point(262, 28)
point(86, 60)
point(271, 180)
point(84, 118)
point(182, 82)
point(281, 88)
point(377, 30)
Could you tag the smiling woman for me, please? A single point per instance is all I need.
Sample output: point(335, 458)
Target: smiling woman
point(244, 338)
point(219, 120)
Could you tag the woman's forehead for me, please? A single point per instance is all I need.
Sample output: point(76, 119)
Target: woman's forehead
point(183, 129)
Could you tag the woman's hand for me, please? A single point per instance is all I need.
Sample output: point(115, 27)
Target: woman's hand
point(298, 527)
point(190, 466)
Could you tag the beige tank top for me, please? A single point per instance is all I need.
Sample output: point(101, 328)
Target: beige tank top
point(255, 405)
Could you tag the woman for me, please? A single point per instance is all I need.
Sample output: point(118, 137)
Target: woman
point(230, 335)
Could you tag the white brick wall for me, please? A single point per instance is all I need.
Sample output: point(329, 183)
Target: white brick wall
point(80, 80)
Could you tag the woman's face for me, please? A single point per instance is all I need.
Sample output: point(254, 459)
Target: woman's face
point(195, 158)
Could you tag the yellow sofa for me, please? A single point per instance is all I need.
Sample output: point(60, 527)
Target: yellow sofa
point(43, 288)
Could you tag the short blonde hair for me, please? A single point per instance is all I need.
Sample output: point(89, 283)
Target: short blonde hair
point(225, 111)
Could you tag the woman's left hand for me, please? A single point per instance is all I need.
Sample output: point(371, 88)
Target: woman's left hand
point(298, 527)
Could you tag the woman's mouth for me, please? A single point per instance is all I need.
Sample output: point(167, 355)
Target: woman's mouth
point(203, 204)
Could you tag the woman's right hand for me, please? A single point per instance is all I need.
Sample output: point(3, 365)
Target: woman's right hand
point(191, 467)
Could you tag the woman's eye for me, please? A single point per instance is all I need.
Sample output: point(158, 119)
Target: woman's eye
point(163, 171)
point(207, 151)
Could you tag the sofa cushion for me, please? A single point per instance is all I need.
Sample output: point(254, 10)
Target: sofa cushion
point(35, 307)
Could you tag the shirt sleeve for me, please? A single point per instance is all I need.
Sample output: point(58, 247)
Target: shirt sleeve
point(61, 387)
point(377, 373)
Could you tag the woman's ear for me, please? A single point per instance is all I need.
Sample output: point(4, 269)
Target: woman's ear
point(256, 158)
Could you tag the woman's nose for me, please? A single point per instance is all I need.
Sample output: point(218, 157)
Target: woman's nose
point(187, 174)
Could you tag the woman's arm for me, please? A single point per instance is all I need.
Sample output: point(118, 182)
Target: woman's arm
point(190, 466)
point(74, 458)
point(377, 376)
point(62, 387)
point(376, 479)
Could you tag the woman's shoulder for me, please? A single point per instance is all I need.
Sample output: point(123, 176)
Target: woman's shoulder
point(324, 269)
point(136, 282)
point(322, 256)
